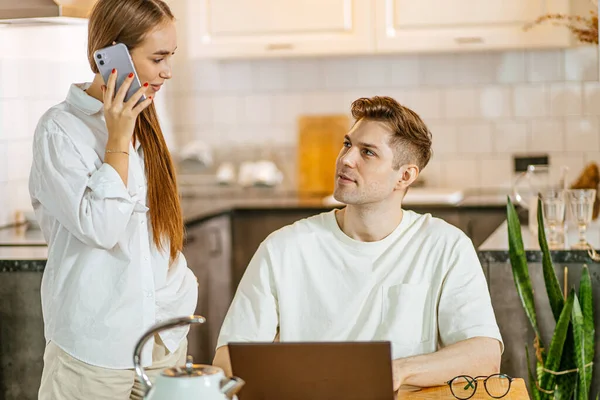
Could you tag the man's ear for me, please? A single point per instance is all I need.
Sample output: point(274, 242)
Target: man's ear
point(408, 173)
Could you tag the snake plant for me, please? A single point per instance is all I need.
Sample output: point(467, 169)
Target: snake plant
point(572, 345)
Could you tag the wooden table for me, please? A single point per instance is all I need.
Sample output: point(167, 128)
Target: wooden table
point(518, 391)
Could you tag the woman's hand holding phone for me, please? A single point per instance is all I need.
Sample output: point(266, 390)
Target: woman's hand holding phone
point(120, 119)
point(121, 115)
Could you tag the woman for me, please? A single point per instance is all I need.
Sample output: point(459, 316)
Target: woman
point(104, 191)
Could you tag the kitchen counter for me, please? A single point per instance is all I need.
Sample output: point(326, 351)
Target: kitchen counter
point(26, 250)
point(495, 248)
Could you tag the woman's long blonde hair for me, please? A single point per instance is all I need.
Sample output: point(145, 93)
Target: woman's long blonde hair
point(127, 22)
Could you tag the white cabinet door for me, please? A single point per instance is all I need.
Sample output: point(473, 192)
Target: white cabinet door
point(264, 28)
point(453, 25)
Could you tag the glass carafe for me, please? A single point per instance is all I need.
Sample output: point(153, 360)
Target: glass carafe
point(526, 188)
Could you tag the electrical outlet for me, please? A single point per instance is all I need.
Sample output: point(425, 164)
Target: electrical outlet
point(522, 161)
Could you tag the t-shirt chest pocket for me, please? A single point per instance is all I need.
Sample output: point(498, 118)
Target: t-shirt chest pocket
point(406, 313)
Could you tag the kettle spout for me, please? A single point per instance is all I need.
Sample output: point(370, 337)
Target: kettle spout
point(230, 386)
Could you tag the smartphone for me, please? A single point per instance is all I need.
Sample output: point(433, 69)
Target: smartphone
point(117, 56)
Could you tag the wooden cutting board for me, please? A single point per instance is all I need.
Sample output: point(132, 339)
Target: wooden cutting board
point(518, 391)
point(320, 139)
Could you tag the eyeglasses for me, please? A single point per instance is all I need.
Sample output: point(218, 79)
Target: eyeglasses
point(463, 387)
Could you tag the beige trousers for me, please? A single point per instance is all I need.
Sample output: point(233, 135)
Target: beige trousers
point(66, 378)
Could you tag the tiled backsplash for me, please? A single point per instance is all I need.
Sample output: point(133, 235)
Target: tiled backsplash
point(481, 107)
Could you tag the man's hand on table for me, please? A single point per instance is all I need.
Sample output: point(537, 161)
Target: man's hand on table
point(475, 356)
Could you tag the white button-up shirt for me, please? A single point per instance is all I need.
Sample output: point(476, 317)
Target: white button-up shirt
point(105, 282)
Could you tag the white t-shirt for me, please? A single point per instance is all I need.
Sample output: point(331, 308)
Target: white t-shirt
point(422, 287)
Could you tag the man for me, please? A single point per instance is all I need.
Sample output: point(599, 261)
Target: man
point(373, 271)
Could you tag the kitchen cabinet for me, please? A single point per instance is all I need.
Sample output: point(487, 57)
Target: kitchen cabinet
point(208, 253)
point(458, 25)
point(272, 28)
point(226, 29)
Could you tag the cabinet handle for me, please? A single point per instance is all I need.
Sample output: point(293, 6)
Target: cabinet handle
point(215, 242)
point(469, 39)
point(280, 46)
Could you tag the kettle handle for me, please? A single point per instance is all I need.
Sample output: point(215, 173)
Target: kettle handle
point(172, 323)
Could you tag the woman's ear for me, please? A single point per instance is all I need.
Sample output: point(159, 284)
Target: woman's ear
point(114, 42)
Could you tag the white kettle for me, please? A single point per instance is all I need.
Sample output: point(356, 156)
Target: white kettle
point(189, 382)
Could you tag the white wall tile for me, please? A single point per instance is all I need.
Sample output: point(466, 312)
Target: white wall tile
point(3, 164)
point(495, 171)
point(581, 63)
point(13, 119)
point(495, 102)
point(372, 72)
point(340, 73)
point(404, 71)
point(591, 98)
point(547, 135)
point(425, 102)
point(510, 137)
point(511, 68)
point(270, 75)
point(280, 136)
point(45, 77)
point(565, 99)
point(531, 100)
point(461, 172)
point(545, 66)
point(198, 110)
point(438, 69)
point(477, 105)
point(325, 103)
point(475, 138)
point(286, 108)
point(476, 68)
point(433, 174)
point(444, 138)
point(461, 103)
point(236, 76)
point(305, 74)
point(195, 77)
point(592, 156)
point(11, 78)
point(6, 211)
point(206, 77)
point(257, 109)
point(19, 158)
point(19, 199)
point(582, 134)
point(227, 110)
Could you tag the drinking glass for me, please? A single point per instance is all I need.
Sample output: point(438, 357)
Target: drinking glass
point(553, 210)
point(581, 202)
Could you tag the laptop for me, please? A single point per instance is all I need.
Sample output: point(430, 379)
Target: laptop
point(313, 370)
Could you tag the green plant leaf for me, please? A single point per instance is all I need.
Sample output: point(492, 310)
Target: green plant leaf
point(555, 295)
point(554, 356)
point(520, 270)
point(580, 345)
point(535, 393)
point(587, 309)
point(565, 384)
